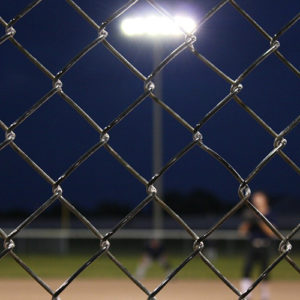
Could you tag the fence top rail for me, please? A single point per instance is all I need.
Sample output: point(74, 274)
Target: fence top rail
point(138, 234)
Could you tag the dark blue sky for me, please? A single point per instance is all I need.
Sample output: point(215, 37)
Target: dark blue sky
point(55, 136)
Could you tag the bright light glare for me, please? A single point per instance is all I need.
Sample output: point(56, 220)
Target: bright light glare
point(157, 25)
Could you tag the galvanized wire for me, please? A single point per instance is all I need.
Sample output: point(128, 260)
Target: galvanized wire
point(235, 86)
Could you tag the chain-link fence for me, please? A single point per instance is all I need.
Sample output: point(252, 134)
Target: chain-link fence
point(197, 140)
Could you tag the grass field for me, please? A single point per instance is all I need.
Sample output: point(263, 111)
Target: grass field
point(62, 266)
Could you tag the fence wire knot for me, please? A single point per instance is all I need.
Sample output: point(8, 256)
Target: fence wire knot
point(57, 189)
point(244, 191)
point(104, 244)
point(149, 85)
point(285, 246)
point(236, 88)
point(104, 138)
point(57, 84)
point(10, 135)
point(280, 142)
point(198, 245)
point(197, 137)
point(10, 31)
point(275, 43)
point(9, 244)
point(102, 34)
point(190, 39)
point(151, 189)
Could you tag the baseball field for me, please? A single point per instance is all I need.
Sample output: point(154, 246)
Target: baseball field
point(122, 289)
point(103, 280)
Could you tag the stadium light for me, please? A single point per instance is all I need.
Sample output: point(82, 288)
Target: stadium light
point(154, 27)
point(157, 26)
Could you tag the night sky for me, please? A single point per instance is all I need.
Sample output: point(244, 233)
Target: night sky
point(55, 136)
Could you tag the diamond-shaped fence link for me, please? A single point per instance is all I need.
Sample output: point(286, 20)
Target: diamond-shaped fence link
point(197, 140)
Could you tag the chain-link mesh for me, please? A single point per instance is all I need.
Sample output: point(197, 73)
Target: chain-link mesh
point(197, 140)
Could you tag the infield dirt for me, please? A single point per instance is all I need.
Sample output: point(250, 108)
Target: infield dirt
point(122, 289)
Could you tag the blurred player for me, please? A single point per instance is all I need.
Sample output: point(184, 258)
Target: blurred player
point(154, 251)
point(259, 241)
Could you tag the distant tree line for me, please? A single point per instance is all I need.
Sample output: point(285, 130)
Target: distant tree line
point(195, 202)
point(198, 201)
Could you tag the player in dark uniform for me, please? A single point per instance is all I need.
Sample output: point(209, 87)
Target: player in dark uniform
point(259, 241)
point(154, 251)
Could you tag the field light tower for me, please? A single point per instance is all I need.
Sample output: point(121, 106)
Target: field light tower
point(157, 28)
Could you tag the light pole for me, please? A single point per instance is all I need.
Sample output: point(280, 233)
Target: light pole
point(153, 27)
point(157, 140)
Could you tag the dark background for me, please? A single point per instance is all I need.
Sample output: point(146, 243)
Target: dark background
point(55, 136)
